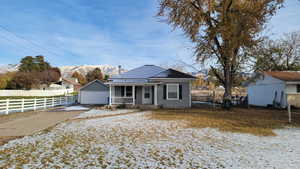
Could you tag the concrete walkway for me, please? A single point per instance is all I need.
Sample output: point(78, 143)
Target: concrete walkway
point(27, 125)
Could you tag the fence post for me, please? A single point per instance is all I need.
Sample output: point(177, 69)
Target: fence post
point(34, 104)
point(7, 106)
point(67, 100)
point(45, 103)
point(59, 100)
point(22, 105)
point(290, 113)
point(52, 101)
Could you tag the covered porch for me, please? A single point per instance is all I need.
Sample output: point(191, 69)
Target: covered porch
point(133, 93)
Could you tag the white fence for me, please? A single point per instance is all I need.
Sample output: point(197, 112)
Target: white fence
point(35, 92)
point(20, 105)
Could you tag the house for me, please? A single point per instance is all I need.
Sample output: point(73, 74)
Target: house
point(66, 83)
point(151, 85)
point(272, 88)
point(95, 92)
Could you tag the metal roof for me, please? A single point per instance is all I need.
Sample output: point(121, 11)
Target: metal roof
point(132, 83)
point(94, 81)
point(142, 72)
point(171, 73)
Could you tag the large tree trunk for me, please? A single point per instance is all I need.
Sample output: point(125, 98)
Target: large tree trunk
point(228, 88)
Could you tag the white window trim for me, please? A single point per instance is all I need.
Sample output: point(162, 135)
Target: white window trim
point(172, 84)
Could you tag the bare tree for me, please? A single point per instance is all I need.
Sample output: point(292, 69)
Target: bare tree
point(277, 55)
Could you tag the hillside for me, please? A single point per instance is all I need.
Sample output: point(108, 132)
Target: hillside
point(8, 68)
point(106, 69)
point(69, 70)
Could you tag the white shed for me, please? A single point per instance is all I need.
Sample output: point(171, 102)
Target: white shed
point(95, 92)
point(268, 88)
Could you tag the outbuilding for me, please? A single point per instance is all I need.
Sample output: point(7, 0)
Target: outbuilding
point(273, 88)
point(95, 92)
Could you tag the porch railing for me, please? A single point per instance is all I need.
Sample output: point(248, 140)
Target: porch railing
point(122, 100)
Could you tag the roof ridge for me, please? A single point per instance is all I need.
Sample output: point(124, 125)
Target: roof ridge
point(159, 73)
point(178, 72)
point(144, 71)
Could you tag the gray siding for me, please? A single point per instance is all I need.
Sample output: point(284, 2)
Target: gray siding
point(183, 103)
point(139, 95)
point(96, 86)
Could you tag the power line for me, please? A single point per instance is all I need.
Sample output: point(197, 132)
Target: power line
point(29, 41)
point(24, 47)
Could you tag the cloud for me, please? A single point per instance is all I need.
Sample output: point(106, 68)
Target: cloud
point(95, 33)
point(102, 32)
point(286, 20)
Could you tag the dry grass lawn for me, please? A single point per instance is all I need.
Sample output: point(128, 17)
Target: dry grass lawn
point(260, 122)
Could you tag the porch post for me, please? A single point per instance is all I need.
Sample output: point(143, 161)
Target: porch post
point(110, 99)
point(155, 95)
point(133, 94)
point(190, 94)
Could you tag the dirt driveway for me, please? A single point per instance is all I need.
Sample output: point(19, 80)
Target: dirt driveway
point(27, 123)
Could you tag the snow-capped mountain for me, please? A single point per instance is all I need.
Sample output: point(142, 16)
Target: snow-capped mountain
point(9, 68)
point(67, 71)
point(84, 69)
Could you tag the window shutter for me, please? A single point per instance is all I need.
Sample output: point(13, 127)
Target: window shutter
point(165, 92)
point(180, 92)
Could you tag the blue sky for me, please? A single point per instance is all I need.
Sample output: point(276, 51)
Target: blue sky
point(83, 32)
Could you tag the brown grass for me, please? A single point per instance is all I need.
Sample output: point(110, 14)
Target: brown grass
point(260, 122)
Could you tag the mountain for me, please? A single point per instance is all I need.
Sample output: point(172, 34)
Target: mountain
point(9, 68)
point(67, 71)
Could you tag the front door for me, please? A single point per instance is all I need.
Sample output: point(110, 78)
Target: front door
point(147, 95)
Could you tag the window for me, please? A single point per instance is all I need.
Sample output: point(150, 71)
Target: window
point(128, 91)
point(298, 88)
point(123, 91)
point(119, 91)
point(147, 92)
point(172, 91)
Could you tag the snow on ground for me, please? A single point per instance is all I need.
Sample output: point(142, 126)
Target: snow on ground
point(75, 108)
point(134, 141)
point(94, 112)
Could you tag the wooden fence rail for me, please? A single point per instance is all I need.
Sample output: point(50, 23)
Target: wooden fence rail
point(20, 105)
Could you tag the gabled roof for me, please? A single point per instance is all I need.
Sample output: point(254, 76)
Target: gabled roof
point(94, 81)
point(142, 72)
point(171, 73)
point(284, 75)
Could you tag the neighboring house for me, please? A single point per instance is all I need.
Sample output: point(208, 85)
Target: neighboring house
point(272, 88)
point(66, 83)
point(94, 92)
point(151, 85)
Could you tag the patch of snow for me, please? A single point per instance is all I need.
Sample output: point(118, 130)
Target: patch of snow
point(137, 141)
point(9, 68)
point(94, 112)
point(75, 108)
